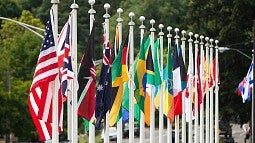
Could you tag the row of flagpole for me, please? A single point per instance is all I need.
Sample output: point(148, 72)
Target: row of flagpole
point(152, 126)
point(72, 108)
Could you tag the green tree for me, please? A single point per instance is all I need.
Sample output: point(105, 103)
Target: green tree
point(18, 56)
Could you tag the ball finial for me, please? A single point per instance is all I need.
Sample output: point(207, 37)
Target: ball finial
point(142, 18)
point(119, 10)
point(190, 34)
point(202, 37)
point(161, 26)
point(107, 6)
point(216, 42)
point(91, 2)
point(152, 21)
point(207, 39)
point(183, 32)
point(169, 28)
point(176, 30)
point(131, 15)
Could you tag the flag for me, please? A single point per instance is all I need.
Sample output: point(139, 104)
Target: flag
point(103, 94)
point(177, 83)
point(149, 85)
point(140, 71)
point(66, 73)
point(245, 86)
point(125, 104)
point(87, 80)
point(116, 42)
point(211, 79)
point(157, 77)
point(198, 82)
point(182, 69)
point(64, 57)
point(119, 76)
point(190, 85)
point(168, 76)
point(43, 85)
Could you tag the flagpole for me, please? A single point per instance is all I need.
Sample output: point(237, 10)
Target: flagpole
point(119, 20)
point(91, 21)
point(183, 93)
point(211, 94)
point(169, 125)
point(142, 128)
point(131, 82)
point(207, 132)
point(202, 82)
point(73, 102)
point(55, 96)
point(107, 17)
point(196, 94)
point(216, 94)
point(161, 121)
point(190, 137)
point(152, 107)
point(177, 131)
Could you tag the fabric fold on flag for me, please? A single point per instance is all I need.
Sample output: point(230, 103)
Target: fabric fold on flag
point(87, 81)
point(119, 76)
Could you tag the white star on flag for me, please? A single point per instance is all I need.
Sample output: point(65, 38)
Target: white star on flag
point(100, 87)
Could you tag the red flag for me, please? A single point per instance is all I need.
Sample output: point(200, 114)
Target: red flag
point(43, 85)
point(87, 81)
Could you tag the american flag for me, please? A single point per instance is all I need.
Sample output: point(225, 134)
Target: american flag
point(42, 88)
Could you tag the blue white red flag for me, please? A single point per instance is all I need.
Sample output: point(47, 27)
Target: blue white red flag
point(245, 86)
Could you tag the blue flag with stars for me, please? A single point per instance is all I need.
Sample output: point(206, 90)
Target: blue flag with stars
point(103, 94)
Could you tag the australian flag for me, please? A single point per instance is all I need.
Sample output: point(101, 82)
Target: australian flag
point(103, 94)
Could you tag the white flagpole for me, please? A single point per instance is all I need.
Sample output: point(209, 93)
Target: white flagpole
point(177, 131)
point(142, 128)
point(202, 82)
point(131, 85)
point(169, 125)
point(152, 107)
point(161, 121)
point(216, 94)
point(207, 132)
point(92, 18)
point(55, 96)
point(74, 118)
point(119, 123)
point(183, 39)
point(196, 94)
point(211, 94)
point(190, 137)
point(107, 17)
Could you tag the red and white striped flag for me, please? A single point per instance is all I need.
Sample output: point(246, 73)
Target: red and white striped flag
point(49, 66)
point(42, 88)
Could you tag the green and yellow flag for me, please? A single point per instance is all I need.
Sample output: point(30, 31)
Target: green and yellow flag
point(119, 76)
